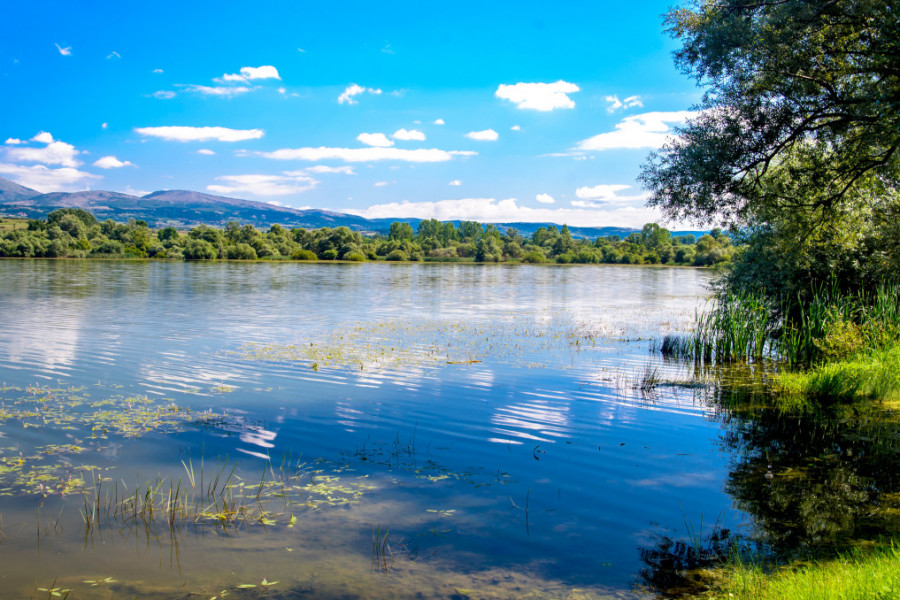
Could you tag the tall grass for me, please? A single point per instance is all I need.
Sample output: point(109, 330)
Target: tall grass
point(873, 575)
point(823, 326)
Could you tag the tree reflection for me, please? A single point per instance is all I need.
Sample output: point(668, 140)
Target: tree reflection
point(814, 481)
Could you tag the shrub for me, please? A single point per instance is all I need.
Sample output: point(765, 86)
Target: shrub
point(200, 250)
point(303, 254)
point(355, 256)
point(534, 257)
point(241, 252)
point(397, 255)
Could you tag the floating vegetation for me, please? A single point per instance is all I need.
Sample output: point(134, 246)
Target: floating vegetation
point(396, 344)
point(89, 424)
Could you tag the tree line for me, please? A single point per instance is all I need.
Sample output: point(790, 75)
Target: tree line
point(73, 232)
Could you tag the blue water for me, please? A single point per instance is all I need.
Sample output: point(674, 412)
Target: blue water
point(496, 411)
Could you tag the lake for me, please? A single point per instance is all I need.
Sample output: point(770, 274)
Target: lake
point(286, 430)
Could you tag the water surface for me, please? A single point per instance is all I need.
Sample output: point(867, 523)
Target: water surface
point(436, 431)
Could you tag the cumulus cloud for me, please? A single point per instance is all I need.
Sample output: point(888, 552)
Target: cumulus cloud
point(111, 162)
point(492, 210)
point(164, 94)
point(646, 130)
point(46, 180)
point(67, 51)
point(439, 122)
point(421, 155)
point(263, 185)
point(487, 135)
point(607, 195)
point(200, 134)
point(355, 90)
point(13, 142)
point(104, 125)
point(375, 139)
point(205, 151)
point(516, 128)
point(251, 73)
point(545, 199)
point(135, 192)
point(53, 152)
point(539, 96)
point(455, 183)
point(412, 134)
point(218, 90)
point(629, 102)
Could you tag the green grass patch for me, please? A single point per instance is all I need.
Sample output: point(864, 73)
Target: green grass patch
point(861, 574)
point(874, 374)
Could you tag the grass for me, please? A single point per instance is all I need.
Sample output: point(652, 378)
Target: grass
point(8, 224)
point(859, 575)
point(874, 374)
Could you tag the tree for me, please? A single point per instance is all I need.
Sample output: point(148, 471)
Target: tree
point(802, 109)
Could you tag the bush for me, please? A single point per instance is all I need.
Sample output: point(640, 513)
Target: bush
point(397, 255)
point(241, 252)
point(330, 254)
point(303, 254)
point(355, 256)
point(534, 257)
point(200, 250)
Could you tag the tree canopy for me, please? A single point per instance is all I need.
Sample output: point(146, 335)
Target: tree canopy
point(801, 111)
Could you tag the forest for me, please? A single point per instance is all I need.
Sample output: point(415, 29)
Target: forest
point(76, 233)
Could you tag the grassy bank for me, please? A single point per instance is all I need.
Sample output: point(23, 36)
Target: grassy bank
point(862, 574)
point(871, 374)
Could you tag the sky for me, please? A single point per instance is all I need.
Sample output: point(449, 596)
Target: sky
point(489, 111)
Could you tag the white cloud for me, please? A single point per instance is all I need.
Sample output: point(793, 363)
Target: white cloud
point(67, 51)
point(488, 210)
point(646, 130)
point(250, 73)
point(455, 183)
point(111, 162)
point(632, 101)
point(158, 71)
point(365, 154)
point(516, 128)
point(200, 134)
point(206, 151)
point(545, 199)
point(488, 135)
point(218, 90)
point(323, 169)
point(113, 54)
point(13, 141)
point(381, 183)
point(539, 96)
point(629, 102)
point(164, 95)
point(104, 125)
point(439, 122)
point(263, 185)
point(133, 192)
point(53, 153)
point(355, 90)
point(375, 139)
point(412, 134)
point(607, 195)
point(46, 180)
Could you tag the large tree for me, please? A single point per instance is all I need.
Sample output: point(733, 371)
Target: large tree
point(801, 110)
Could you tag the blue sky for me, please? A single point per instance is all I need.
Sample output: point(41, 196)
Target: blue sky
point(493, 111)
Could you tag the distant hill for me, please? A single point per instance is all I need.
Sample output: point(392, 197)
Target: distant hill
point(185, 209)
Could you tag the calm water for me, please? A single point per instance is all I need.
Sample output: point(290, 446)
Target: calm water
point(419, 431)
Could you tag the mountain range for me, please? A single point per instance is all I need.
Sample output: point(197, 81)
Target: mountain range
point(185, 209)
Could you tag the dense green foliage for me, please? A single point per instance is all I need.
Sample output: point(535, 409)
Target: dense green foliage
point(796, 142)
point(75, 233)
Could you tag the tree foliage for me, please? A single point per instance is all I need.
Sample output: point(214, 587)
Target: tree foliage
point(802, 108)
